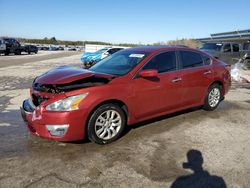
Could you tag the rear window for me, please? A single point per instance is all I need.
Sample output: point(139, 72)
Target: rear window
point(207, 60)
point(190, 59)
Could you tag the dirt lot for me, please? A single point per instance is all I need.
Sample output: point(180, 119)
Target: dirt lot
point(149, 155)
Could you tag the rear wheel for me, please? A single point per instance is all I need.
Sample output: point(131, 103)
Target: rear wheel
point(18, 52)
point(213, 98)
point(106, 124)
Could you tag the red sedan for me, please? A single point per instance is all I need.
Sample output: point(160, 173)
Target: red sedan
point(130, 86)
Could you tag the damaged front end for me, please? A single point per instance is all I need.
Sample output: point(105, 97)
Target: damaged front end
point(67, 78)
point(78, 84)
point(51, 112)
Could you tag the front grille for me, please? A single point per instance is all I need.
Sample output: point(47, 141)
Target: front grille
point(37, 100)
point(44, 88)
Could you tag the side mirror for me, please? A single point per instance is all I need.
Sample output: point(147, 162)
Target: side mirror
point(106, 53)
point(148, 73)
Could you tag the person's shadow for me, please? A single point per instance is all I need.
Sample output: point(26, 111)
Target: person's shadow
point(200, 178)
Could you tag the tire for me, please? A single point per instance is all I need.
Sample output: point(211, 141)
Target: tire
point(6, 52)
point(18, 52)
point(106, 124)
point(213, 97)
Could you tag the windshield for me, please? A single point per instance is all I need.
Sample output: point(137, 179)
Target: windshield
point(211, 46)
point(119, 63)
point(102, 50)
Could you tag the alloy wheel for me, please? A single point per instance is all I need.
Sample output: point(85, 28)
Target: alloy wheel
point(108, 124)
point(214, 97)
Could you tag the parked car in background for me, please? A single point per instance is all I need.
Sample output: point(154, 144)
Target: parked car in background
point(30, 49)
point(44, 48)
point(53, 48)
point(91, 58)
point(130, 86)
point(245, 48)
point(60, 48)
point(72, 48)
point(228, 52)
point(244, 61)
point(10, 45)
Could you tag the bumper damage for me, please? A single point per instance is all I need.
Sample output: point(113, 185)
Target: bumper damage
point(61, 126)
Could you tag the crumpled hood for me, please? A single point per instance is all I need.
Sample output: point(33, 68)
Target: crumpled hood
point(66, 74)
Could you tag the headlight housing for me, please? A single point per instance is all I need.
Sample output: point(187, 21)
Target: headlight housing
point(67, 104)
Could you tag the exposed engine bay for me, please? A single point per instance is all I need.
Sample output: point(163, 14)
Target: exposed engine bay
point(60, 88)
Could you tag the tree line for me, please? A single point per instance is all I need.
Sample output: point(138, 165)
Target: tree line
point(187, 42)
point(54, 41)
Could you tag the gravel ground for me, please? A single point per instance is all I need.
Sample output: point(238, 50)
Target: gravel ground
point(150, 154)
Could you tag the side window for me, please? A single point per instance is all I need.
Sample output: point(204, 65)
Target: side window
point(190, 59)
point(7, 41)
point(207, 60)
point(246, 46)
point(163, 62)
point(236, 48)
point(227, 48)
point(116, 50)
point(111, 51)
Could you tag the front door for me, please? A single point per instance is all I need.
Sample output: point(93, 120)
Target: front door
point(159, 94)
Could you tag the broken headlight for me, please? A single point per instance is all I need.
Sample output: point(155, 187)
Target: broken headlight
point(67, 104)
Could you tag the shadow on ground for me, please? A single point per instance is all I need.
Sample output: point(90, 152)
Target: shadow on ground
point(199, 178)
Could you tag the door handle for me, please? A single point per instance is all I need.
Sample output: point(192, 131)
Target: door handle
point(176, 80)
point(207, 72)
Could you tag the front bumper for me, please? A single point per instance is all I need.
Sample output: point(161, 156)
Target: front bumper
point(39, 122)
point(89, 63)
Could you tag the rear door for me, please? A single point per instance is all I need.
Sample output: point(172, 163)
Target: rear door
point(195, 75)
point(226, 53)
point(158, 94)
point(235, 52)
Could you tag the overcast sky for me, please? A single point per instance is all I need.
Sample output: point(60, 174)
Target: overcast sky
point(120, 21)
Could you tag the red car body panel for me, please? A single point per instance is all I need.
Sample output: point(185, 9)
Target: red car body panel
point(65, 74)
point(144, 98)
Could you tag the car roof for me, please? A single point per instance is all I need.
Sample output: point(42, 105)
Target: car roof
point(219, 42)
point(157, 48)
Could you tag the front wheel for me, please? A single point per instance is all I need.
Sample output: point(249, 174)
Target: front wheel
point(106, 124)
point(6, 52)
point(213, 98)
